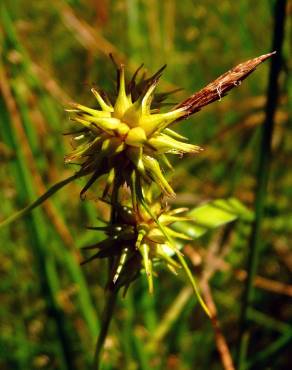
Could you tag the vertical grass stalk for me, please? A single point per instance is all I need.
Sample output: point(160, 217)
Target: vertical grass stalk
point(262, 179)
point(105, 323)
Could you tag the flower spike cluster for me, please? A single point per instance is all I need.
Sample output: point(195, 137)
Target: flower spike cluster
point(135, 242)
point(127, 139)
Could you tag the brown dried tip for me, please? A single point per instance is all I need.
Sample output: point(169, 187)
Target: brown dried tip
point(219, 88)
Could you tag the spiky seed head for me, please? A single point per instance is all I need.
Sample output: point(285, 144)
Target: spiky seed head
point(126, 135)
point(137, 243)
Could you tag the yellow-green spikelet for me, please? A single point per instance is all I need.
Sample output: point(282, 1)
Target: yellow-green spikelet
point(135, 242)
point(127, 139)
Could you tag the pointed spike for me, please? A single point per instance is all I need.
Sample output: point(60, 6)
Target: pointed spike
point(84, 122)
point(109, 182)
point(72, 110)
point(174, 134)
point(144, 83)
point(78, 132)
point(121, 264)
point(81, 151)
point(164, 160)
point(94, 112)
point(144, 250)
point(133, 191)
point(171, 269)
point(162, 254)
point(177, 211)
point(159, 121)
point(104, 106)
point(194, 284)
point(135, 155)
point(123, 102)
point(148, 97)
point(153, 169)
point(112, 58)
point(162, 96)
point(98, 228)
point(132, 83)
point(167, 219)
point(178, 235)
point(90, 182)
point(122, 79)
point(166, 144)
point(158, 74)
point(89, 259)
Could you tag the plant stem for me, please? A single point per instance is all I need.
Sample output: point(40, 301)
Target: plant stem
point(107, 316)
point(262, 180)
point(111, 294)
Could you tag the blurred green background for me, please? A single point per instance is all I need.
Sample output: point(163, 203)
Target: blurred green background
point(50, 311)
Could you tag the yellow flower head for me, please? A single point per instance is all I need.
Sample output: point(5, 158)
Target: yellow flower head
point(138, 241)
point(127, 138)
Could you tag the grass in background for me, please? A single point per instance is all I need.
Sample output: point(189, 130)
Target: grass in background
point(50, 305)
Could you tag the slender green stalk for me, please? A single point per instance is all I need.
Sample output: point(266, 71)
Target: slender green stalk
point(269, 322)
point(111, 294)
point(53, 189)
point(194, 284)
point(260, 360)
point(106, 319)
point(262, 180)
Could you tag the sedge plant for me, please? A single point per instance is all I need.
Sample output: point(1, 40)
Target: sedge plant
point(123, 145)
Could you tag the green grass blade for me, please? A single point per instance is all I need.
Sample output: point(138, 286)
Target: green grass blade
point(16, 216)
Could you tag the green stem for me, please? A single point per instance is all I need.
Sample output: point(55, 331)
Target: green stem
point(107, 316)
point(263, 174)
point(261, 359)
point(193, 283)
point(111, 294)
point(39, 201)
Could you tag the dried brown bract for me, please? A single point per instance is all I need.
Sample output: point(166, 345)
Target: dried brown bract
point(219, 88)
